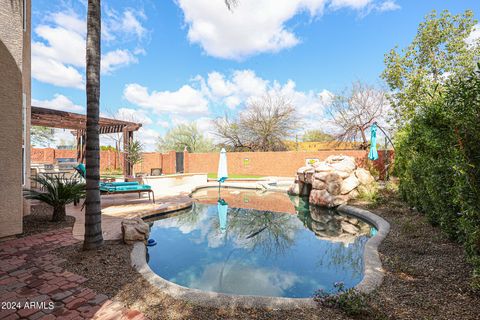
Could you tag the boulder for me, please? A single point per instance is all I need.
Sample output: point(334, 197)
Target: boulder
point(333, 176)
point(364, 176)
point(302, 170)
point(309, 176)
point(349, 228)
point(349, 184)
point(318, 184)
point(321, 198)
point(343, 174)
point(340, 199)
point(322, 167)
point(321, 215)
point(134, 230)
point(332, 182)
point(322, 176)
point(294, 189)
point(346, 165)
point(334, 187)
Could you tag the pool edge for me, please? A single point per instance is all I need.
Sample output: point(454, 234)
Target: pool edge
point(373, 270)
point(373, 274)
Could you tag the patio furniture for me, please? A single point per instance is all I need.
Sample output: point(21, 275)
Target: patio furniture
point(119, 187)
point(126, 187)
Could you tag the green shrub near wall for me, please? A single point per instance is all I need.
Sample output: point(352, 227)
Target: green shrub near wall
point(438, 162)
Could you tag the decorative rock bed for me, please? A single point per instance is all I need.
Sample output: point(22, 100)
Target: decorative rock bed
point(332, 182)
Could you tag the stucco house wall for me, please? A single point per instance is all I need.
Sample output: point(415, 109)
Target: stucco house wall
point(15, 112)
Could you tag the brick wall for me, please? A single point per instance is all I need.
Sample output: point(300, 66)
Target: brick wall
point(242, 163)
point(268, 163)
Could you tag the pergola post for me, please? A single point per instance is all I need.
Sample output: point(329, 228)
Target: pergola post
point(80, 137)
point(127, 139)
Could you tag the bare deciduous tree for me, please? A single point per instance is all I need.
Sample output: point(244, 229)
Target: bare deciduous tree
point(264, 125)
point(355, 110)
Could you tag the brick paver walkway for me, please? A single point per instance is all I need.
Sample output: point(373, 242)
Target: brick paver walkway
point(34, 286)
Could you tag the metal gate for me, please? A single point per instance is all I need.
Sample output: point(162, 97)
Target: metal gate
point(179, 162)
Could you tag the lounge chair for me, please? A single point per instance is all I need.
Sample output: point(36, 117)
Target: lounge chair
point(119, 187)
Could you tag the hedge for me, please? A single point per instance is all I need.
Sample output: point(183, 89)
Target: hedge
point(438, 162)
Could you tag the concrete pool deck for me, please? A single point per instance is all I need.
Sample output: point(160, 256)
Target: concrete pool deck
point(116, 208)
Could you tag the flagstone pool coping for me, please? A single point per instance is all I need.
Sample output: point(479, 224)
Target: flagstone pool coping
point(373, 274)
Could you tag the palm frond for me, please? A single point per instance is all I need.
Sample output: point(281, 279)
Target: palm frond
point(58, 190)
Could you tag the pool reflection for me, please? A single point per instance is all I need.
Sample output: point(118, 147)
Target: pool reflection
point(256, 252)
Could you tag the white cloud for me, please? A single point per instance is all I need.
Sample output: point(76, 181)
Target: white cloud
point(59, 102)
point(134, 115)
point(117, 59)
point(185, 100)
point(128, 23)
point(51, 71)
point(242, 85)
point(148, 137)
point(389, 5)
point(253, 27)
point(354, 4)
point(58, 48)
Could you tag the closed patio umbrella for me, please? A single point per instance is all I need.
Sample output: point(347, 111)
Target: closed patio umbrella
point(373, 154)
point(222, 207)
point(222, 173)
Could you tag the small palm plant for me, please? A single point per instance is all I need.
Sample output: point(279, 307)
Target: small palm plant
point(134, 154)
point(59, 191)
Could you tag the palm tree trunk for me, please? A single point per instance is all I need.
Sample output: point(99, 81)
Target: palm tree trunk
point(93, 221)
point(59, 214)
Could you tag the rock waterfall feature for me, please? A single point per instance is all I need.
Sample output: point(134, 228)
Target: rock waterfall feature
point(332, 182)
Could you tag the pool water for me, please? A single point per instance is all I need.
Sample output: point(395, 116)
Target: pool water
point(236, 246)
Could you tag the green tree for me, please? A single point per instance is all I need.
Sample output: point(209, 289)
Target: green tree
point(41, 136)
point(443, 48)
point(134, 153)
point(93, 221)
point(185, 135)
point(316, 136)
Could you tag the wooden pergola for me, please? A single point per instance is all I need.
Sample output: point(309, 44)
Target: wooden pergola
point(78, 122)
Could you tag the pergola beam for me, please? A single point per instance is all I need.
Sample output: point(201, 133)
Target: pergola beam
point(78, 122)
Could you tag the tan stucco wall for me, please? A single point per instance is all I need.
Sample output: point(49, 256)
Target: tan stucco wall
point(15, 80)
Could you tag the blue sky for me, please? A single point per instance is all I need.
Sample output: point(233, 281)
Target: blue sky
point(168, 62)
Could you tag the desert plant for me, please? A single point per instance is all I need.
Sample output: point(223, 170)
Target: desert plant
point(134, 154)
point(351, 301)
point(59, 191)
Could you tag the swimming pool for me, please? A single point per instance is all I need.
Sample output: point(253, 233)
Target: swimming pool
point(258, 243)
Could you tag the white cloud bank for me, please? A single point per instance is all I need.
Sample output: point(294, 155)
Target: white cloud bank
point(258, 26)
point(59, 102)
point(58, 48)
point(210, 96)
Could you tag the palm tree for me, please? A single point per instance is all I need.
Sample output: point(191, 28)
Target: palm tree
point(93, 219)
point(59, 191)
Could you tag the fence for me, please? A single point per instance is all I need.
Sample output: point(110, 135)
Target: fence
point(239, 163)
